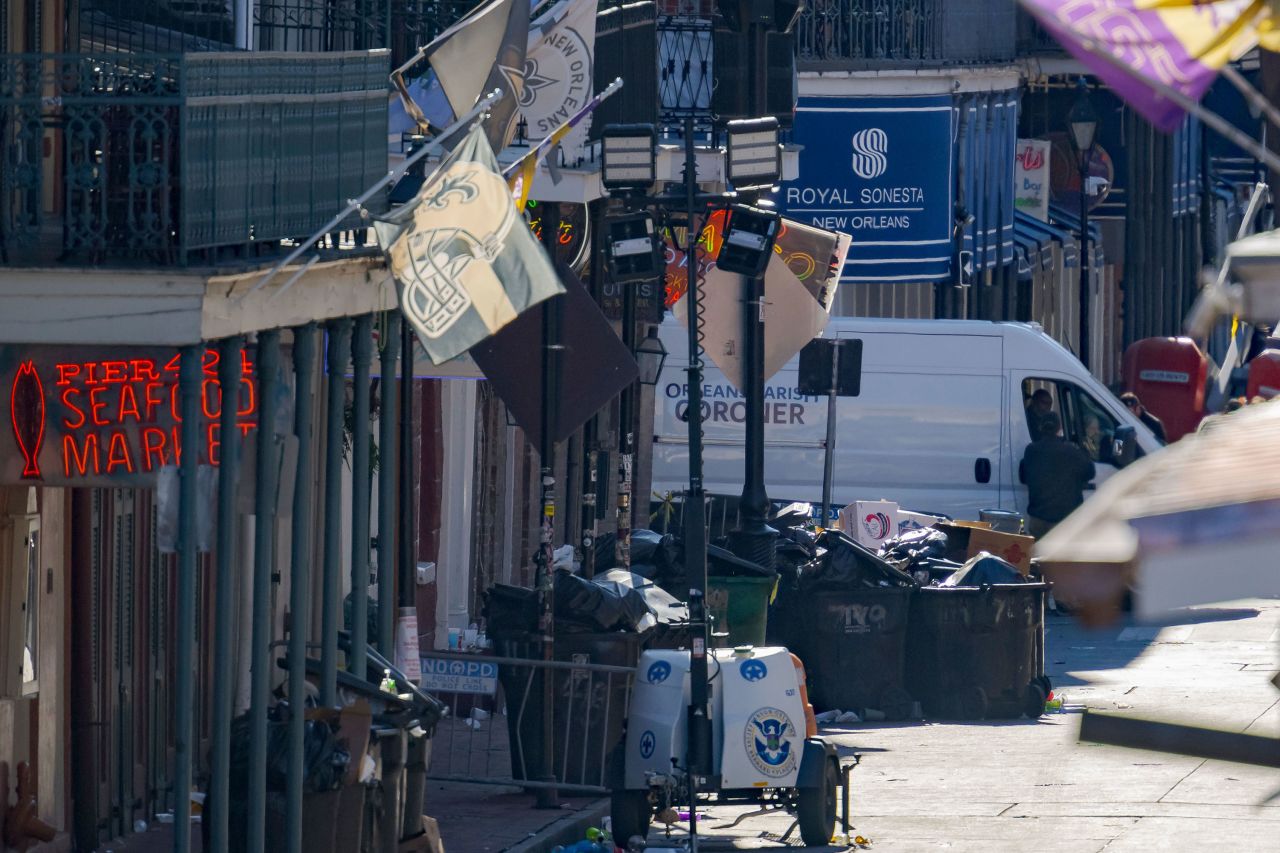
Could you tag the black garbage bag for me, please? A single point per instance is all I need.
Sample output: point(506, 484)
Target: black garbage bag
point(665, 607)
point(648, 548)
point(984, 569)
point(600, 604)
point(847, 563)
point(915, 545)
point(801, 537)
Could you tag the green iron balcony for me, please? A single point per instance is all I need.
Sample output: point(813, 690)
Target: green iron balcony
point(194, 158)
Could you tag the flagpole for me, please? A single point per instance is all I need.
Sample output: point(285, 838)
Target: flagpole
point(1215, 121)
point(608, 92)
point(355, 204)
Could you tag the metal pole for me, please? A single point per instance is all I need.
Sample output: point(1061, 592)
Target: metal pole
point(361, 356)
point(189, 383)
point(408, 473)
point(753, 540)
point(1084, 257)
point(266, 477)
point(551, 311)
point(829, 448)
point(300, 565)
point(387, 486)
point(695, 526)
point(626, 434)
point(230, 368)
point(339, 351)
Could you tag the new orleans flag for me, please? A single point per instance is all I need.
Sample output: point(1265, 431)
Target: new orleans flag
point(1179, 43)
point(465, 260)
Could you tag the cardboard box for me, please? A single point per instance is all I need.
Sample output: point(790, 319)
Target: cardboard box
point(871, 523)
point(967, 539)
point(1010, 547)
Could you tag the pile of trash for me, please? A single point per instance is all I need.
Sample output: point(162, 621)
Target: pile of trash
point(615, 599)
point(927, 556)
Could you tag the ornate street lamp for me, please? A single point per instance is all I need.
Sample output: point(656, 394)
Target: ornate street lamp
point(1083, 121)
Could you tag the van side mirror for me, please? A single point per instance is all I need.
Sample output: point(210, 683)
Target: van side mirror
point(1124, 446)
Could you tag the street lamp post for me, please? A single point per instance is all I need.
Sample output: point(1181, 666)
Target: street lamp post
point(1083, 120)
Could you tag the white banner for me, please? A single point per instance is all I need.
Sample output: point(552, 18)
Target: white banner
point(1031, 178)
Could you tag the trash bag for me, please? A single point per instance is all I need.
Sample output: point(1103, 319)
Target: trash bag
point(600, 604)
point(922, 544)
point(648, 548)
point(801, 537)
point(984, 570)
point(847, 563)
point(665, 607)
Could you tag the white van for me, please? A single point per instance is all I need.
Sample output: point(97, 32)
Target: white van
point(940, 426)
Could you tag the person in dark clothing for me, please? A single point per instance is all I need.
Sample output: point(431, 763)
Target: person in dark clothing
point(1055, 472)
point(1133, 404)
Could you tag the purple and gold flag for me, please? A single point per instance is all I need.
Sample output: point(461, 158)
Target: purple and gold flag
point(1178, 43)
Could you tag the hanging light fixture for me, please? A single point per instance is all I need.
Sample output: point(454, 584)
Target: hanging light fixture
point(650, 356)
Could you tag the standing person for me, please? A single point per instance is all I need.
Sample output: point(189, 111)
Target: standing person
point(1055, 472)
point(1133, 404)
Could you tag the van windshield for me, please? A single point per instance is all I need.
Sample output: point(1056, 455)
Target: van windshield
point(1082, 419)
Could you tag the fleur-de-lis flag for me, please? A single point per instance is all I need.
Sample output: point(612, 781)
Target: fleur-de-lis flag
point(465, 261)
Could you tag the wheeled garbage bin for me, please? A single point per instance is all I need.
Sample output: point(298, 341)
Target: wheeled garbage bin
point(978, 652)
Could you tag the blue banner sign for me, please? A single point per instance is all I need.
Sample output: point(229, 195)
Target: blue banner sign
point(879, 169)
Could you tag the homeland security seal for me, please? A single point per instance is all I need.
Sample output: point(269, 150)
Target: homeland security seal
point(767, 743)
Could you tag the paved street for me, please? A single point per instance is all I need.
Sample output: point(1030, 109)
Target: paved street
point(1030, 786)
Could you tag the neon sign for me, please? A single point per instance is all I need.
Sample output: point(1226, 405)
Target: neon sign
point(791, 245)
point(80, 416)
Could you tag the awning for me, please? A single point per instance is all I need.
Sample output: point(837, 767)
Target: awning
point(1071, 221)
point(1047, 233)
point(1031, 245)
point(987, 139)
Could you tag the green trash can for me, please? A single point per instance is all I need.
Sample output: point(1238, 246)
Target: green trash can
point(740, 606)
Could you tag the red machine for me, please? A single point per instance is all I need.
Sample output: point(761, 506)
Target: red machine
point(1264, 374)
point(1169, 376)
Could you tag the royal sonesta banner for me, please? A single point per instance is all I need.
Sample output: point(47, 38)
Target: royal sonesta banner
point(879, 169)
point(93, 416)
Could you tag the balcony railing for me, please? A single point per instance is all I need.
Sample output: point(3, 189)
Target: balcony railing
point(871, 34)
point(182, 158)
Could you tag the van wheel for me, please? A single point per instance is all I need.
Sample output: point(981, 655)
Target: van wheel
point(631, 813)
point(816, 810)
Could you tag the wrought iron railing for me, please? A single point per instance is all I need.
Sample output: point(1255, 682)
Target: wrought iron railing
point(182, 26)
point(182, 158)
point(860, 34)
point(1034, 39)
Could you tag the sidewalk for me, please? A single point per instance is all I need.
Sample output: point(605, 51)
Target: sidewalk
point(491, 819)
